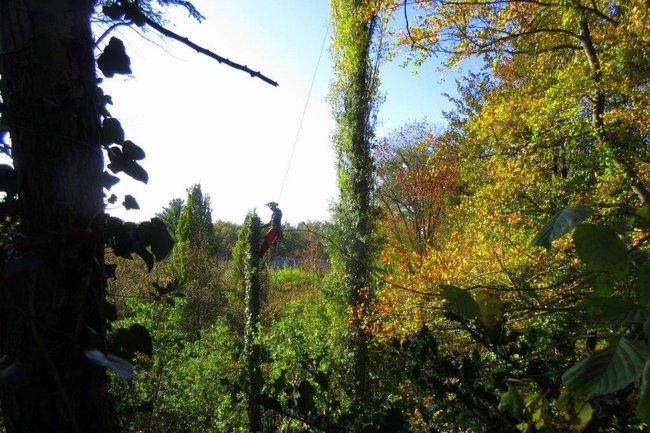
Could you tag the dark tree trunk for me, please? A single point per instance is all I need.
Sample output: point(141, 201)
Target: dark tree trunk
point(51, 314)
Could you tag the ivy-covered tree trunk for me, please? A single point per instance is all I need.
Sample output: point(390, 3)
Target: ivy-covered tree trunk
point(353, 101)
point(252, 349)
point(52, 294)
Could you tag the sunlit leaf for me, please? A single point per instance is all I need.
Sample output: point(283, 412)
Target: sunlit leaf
point(559, 224)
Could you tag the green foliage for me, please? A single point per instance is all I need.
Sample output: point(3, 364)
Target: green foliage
point(181, 386)
point(609, 369)
point(171, 214)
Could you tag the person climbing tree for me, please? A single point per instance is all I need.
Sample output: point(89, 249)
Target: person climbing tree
point(274, 233)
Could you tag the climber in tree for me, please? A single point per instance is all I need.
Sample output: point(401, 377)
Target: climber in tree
point(274, 233)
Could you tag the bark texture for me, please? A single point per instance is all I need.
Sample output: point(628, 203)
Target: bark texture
point(52, 313)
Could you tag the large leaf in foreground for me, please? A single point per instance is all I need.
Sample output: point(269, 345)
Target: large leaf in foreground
point(460, 301)
point(607, 370)
point(559, 224)
point(601, 249)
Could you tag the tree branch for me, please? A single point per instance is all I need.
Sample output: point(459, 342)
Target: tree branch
point(185, 41)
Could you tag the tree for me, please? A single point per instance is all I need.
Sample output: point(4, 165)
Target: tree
point(55, 313)
point(194, 231)
point(194, 262)
point(416, 181)
point(53, 309)
point(171, 214)
point(580, 51)
point(354, 101)
point(225, 236)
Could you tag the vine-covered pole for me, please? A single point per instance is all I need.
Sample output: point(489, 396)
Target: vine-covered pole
point(354, 102)
point(251, 348)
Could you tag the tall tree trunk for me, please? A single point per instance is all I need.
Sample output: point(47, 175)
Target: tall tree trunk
point(252, 349)
point(354, 100)
point(52, 313)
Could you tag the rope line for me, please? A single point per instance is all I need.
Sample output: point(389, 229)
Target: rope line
point(304, 110)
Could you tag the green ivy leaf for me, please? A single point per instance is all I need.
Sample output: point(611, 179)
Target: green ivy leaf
point(112, 131)
point(108, 180)
point(132, 151)
point(136, 171)
point(135, 339)
point(130, 202)
point(114, 59)
point(113, 11)
point(601, 249)
point(559, 224)
point(607, 370)
point(154, 234)
point(460, 301)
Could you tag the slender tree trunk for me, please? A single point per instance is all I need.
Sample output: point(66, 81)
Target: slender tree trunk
point(251, 349)
point(52, 312)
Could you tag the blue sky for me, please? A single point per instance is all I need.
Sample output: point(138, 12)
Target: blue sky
point(203, 122)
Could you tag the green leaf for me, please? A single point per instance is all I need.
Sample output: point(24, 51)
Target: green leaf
point(108, 180)
point(154, 234)
point(559, 224)
point(460, 301)
point(114, 11)
point(643, 407)
point(643, 283)
point(114, 59)
point(136, 171)
point(130, 202)
point(512, 403)
point(618, 311)
point(607, 370)
point(601, 249)
point(112, 131)
point(135, 339)
point(132, 151)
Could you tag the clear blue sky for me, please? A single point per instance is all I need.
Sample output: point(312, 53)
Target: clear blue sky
point(200, 121)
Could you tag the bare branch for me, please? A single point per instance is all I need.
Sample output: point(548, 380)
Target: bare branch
point(185, 41)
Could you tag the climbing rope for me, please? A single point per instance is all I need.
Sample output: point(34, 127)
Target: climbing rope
point(302, 118)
